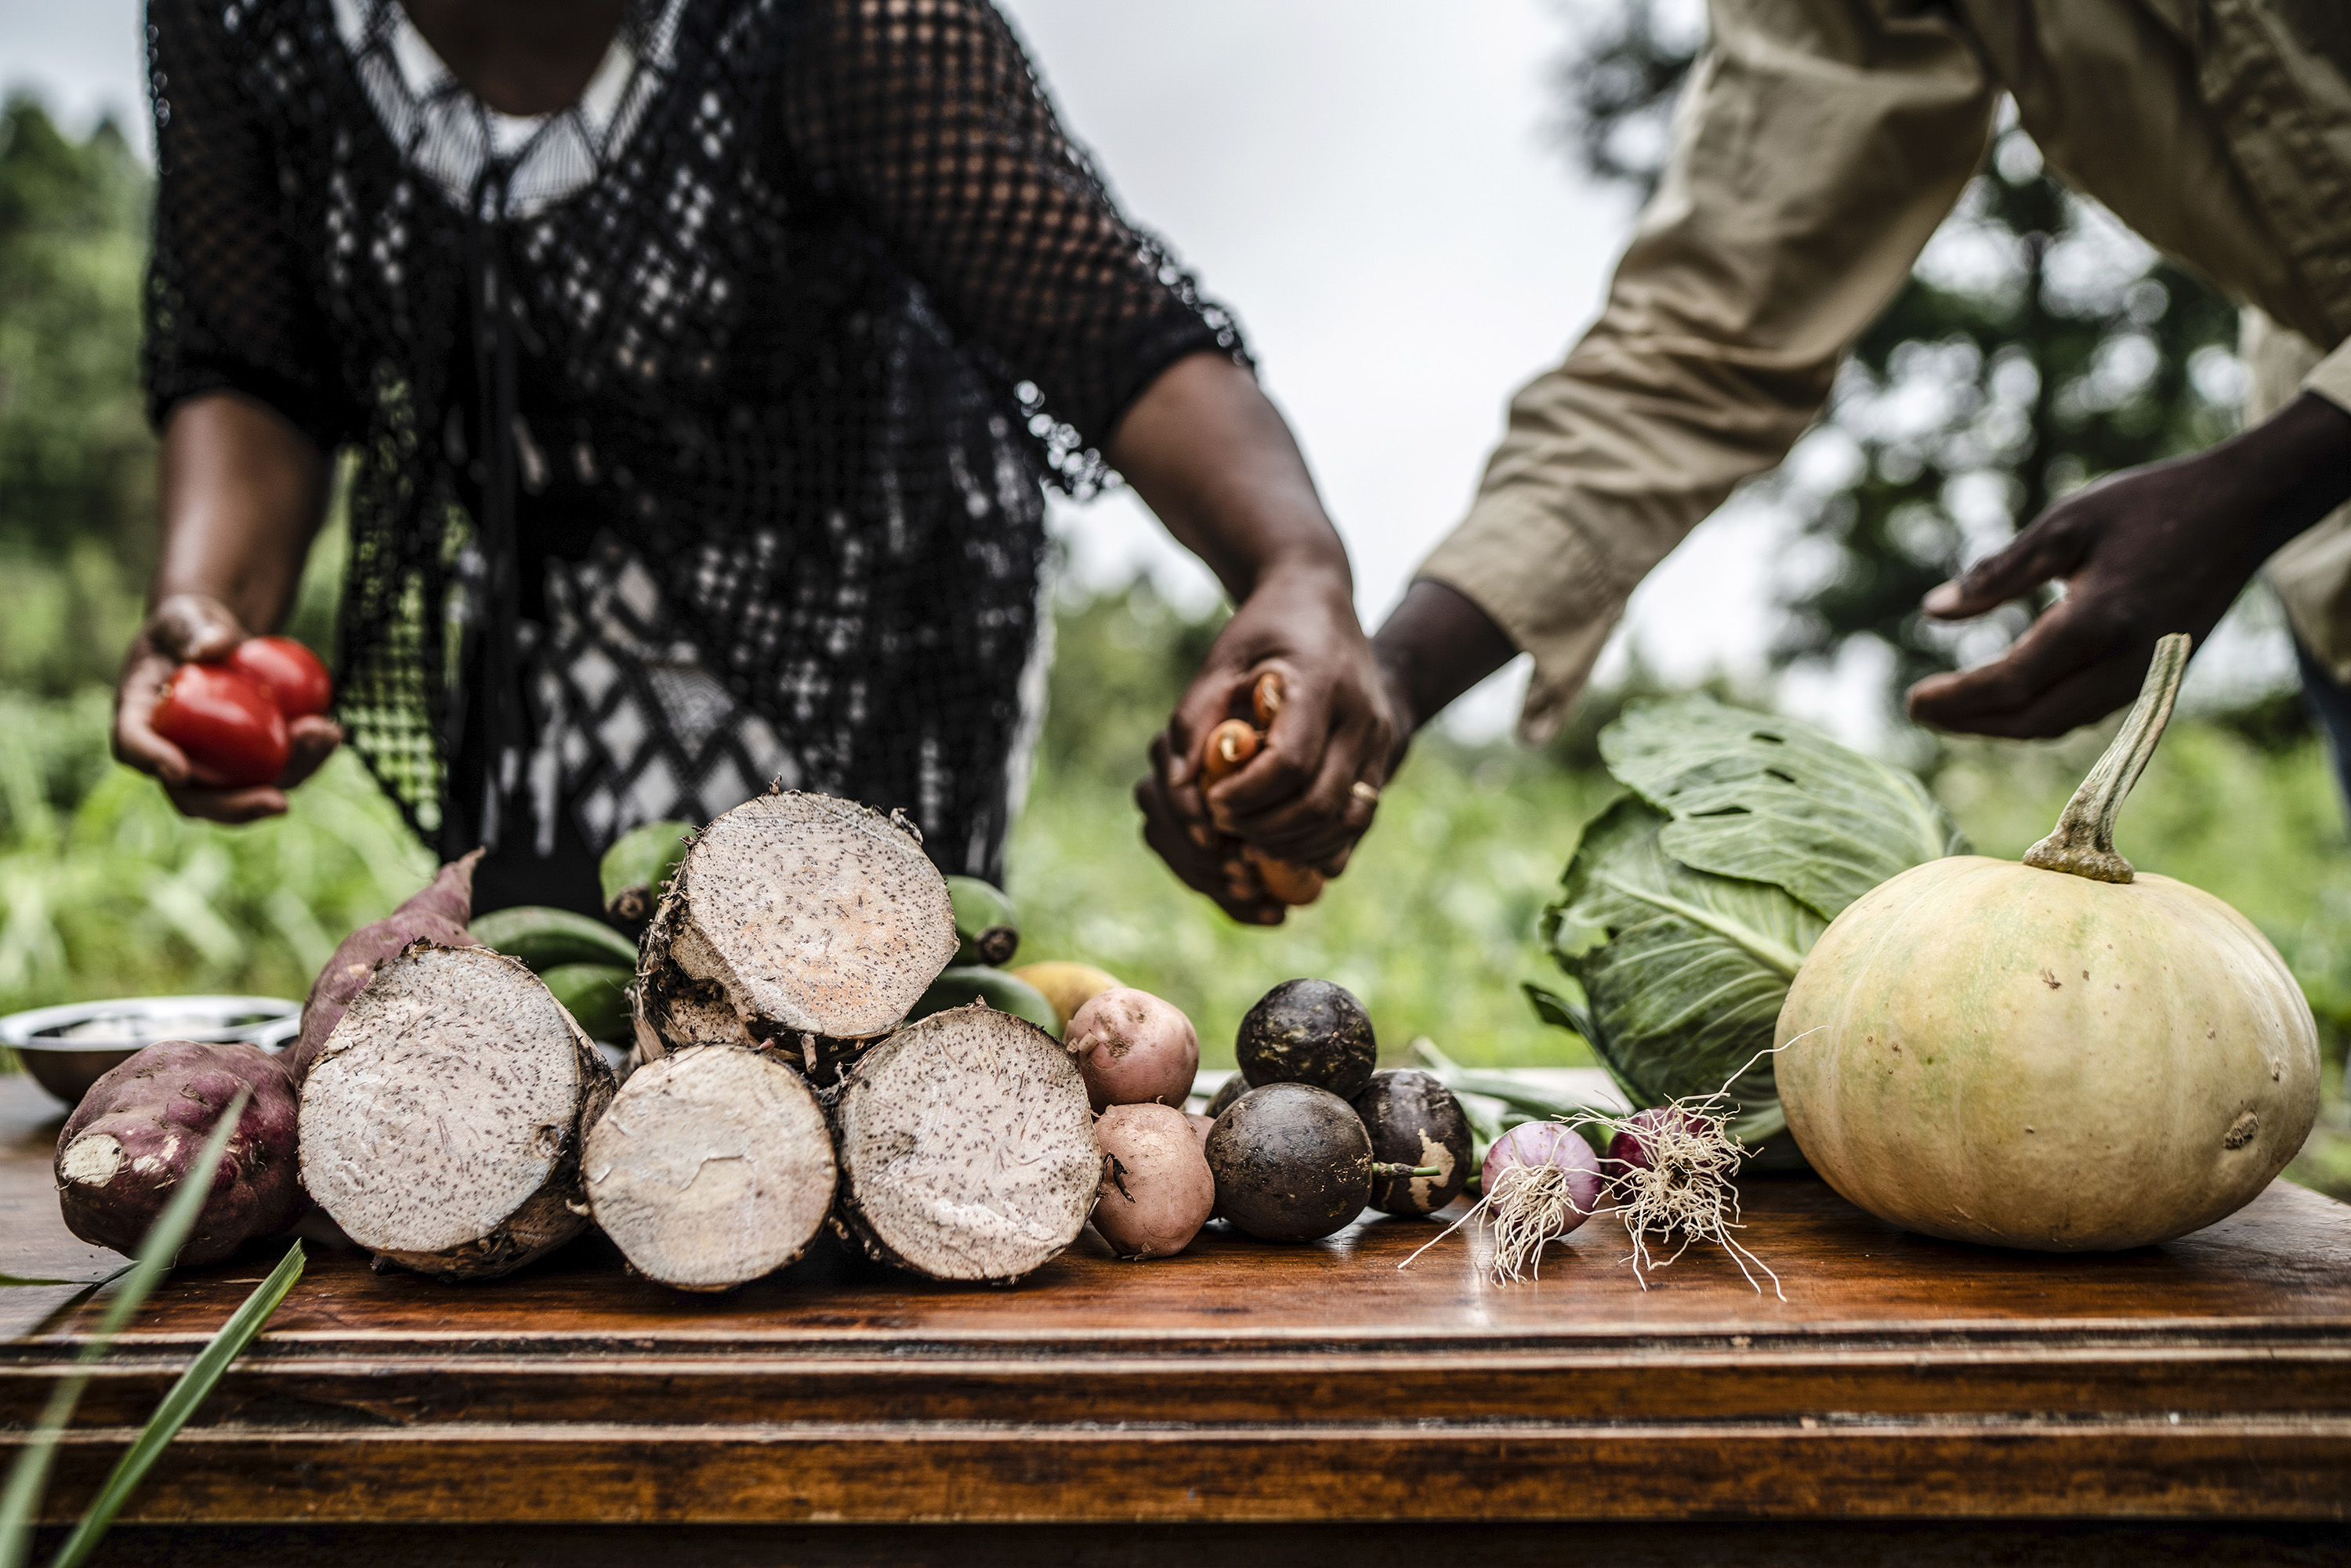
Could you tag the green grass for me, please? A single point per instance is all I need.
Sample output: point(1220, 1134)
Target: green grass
point(115, 894)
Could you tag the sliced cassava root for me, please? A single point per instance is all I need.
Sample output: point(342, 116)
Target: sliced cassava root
point(793, 915)
point(441, 1120)
point(967, 1147)
point(712, 1167)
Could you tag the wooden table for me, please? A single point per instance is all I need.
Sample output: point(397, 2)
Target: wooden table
point(2195, 1397)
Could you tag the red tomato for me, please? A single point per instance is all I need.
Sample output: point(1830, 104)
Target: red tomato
point(295, 679)
point(226, 723)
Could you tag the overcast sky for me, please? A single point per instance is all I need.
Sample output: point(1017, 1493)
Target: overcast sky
point(1373, 186)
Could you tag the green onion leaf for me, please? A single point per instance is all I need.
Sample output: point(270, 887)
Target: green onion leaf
point(20, 1499)
point(180, 1404)
point(8, 1280)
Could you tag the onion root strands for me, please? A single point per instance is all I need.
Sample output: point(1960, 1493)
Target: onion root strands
point(1672, 1173)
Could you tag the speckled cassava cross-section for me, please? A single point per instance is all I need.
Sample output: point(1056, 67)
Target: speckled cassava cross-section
point(713, 1167)
point(967, 1147)
point(441, 1121)
point(795, 915)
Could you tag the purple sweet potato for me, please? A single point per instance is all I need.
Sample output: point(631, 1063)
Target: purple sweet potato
point(437, 914)
point(129, 1144)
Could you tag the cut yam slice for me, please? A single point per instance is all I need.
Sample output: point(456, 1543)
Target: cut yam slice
point(441, 1120)
point(713, 1167)
point(967, 1147)
point(795, 915)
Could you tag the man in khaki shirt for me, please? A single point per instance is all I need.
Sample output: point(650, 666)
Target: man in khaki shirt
point(1819, 143)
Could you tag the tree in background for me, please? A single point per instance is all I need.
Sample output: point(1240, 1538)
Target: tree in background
point(2037, 347)
point(77, 463)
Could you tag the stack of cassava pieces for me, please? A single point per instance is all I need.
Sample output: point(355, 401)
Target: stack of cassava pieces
point(446, 1111)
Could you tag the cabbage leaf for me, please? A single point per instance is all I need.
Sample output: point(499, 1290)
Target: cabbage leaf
point(1773, 801)
point(1690, 904)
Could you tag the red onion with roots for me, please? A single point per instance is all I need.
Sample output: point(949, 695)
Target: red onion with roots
point(1541, 1180)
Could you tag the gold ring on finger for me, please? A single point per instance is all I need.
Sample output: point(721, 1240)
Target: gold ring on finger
point(1369, 794)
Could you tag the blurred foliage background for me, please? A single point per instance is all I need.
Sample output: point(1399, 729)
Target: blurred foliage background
point(105, 891)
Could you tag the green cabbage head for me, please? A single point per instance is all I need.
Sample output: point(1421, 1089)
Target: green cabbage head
point(1691, 900)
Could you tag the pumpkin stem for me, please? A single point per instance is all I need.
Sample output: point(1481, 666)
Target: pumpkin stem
point(2083, 841)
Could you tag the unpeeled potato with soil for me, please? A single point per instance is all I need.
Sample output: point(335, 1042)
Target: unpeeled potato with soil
point(1156, 1191)
point(1132, 1047)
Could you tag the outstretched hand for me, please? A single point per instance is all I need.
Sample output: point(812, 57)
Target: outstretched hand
point(1295, 799)
point(2153, 551)
point(196, 627)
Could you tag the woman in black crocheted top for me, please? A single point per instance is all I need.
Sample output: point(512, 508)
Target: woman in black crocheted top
point(699, 364)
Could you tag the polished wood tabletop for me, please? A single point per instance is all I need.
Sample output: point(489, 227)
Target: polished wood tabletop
point(1901, 1377)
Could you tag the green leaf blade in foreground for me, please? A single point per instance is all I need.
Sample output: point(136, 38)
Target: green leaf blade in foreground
point(20, 1499)
point(1685, 987)
point(1766, 799)
point(190, 1392)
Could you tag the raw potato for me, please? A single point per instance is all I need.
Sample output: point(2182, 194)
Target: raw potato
point(1285, 881)
point(1201, 1126)
point(712, 1167)
point(1156, 1191)
point(1133, 1049)
point(442, 1119)
point(437, 913)
point(967, 1147)
point(795, 915)
point(1067, 985)
point(129, 1145)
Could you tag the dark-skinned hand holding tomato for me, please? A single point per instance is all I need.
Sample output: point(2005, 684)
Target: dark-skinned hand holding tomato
point(191, 711)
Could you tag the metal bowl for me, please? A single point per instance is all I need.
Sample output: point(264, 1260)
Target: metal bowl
point(67, 1048)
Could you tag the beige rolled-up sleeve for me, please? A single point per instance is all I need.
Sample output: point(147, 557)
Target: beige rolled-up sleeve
point(2331, 377)
point(1817, 146)
point(2312, 574)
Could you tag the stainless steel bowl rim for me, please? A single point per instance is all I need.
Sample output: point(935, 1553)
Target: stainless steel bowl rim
point(281, 1022)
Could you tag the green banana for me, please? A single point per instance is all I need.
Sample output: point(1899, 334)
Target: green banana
point(1004, 993)
point(596, 996)
point(987, 931)
point(638, 863)
point(543, 937)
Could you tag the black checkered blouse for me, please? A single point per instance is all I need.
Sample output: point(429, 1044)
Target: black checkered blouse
point(696, 432)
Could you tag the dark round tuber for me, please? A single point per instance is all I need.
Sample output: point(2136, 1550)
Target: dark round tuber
point(1230, 1090)
point(1415, 1121)
point(1291, 1161)
point(1308, 1032)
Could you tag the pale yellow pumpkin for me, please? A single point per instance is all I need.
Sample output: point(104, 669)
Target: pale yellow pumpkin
point(2055, 1054)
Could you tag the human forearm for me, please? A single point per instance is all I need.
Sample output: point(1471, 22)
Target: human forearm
point(1214, 460)
point(243, 494)
point(1433, 647)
